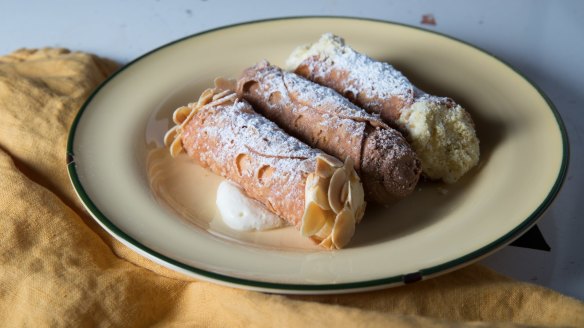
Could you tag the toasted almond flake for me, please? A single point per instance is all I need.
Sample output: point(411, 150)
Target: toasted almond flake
point(356, 199)
point(228, 98)
point(313, 220)
point(332, 161)
point(181, 114)
point(319, 197)
point(344, 228)
point(323, 168)
point(349, 165)
point(360, 212)
point(206, 97)
point(345, 192)
point(320, 193)
point(176, 147)
point(355, 177)
point(334, 192)
point(171, 135)
point(225, 83)
point(327, 242)
point(311, 182)
point(222, 94)
point(327, 228)
point(356, 195)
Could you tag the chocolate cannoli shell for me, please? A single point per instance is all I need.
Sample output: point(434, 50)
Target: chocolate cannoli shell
point(324, 119)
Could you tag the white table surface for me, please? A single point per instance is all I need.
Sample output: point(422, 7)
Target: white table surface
point(542, 39)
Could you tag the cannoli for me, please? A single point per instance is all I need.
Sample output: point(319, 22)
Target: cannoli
point(326, 120)
point(440, 131)
point(313, 191)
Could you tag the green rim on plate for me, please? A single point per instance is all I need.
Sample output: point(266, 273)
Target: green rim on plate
point(423, 273)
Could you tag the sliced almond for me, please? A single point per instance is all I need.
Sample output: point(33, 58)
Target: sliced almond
point(349, 165)
point(323, 168)
point(344, 192)
point(334, 192)
point(360, 212)
point(344, 228)
point(333, 161)
point(312, 220)
point(170, 135)
point(309, 188)
point(327, 228)
point(356, 195)
point(319, 193)
point(222, 94)
point(322, 194)
point(311, 182)
point(354, 176)
point(225, 83)
point(319, 196)
point(205, 97)
point(181, 114)
point(194, 110)
point(327, 243)
point(176, 147)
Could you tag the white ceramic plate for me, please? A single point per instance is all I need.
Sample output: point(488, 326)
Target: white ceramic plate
point(117, 169)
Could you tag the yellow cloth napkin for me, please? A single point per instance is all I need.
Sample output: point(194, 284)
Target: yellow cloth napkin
point(58, 268)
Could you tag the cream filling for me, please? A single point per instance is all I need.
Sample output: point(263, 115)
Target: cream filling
point(444, 139)
point(240, 212)
point(327, 45)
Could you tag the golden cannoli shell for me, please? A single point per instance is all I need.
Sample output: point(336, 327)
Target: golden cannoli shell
point(235, 142)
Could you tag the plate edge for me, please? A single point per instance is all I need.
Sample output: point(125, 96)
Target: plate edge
point(422, 274)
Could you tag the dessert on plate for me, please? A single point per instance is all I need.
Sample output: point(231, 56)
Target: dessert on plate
point(441, 132)
point(315, 192)
point(259, 132)
point(324, 119)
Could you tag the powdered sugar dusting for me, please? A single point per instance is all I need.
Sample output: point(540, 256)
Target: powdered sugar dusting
point(441, 132)
point(325, 119)
point(378, 79)
point(317, 115)
point(232, 140)
point(320, 96)
point(241, 130)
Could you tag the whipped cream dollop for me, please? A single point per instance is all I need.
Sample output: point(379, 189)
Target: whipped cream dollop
point(240, 212)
